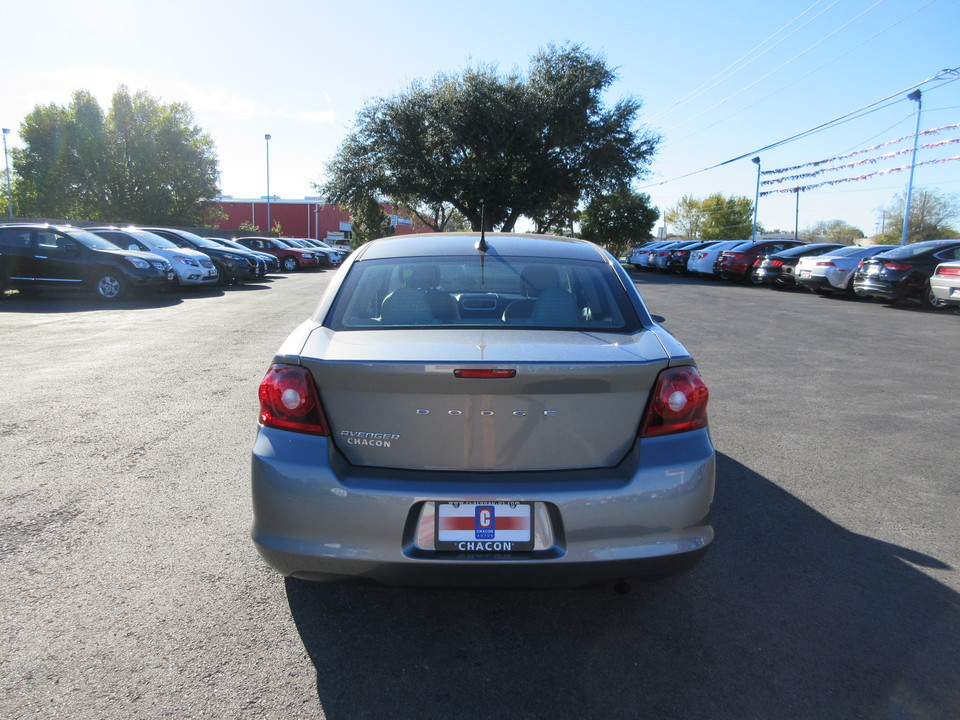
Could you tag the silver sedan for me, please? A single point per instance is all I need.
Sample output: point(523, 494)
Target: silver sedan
point(466, 410)
point(945, 283)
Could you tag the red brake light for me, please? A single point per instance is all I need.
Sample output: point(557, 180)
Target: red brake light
point(484, 373)
point(897, 266)
point(826, 263)
point(289, 401)
point(733, 256)
point(948, 270)
point(776, 263)
point(678, 403)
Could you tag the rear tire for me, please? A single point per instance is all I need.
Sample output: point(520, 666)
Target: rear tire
point(931, 301)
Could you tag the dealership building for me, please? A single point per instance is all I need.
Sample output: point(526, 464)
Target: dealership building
point(307, 218)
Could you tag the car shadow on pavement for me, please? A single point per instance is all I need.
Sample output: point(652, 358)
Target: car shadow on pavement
point(54, 301)
point(789, 616)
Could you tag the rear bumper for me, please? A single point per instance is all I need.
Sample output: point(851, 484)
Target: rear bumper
point(331, 521)
point(946, 290)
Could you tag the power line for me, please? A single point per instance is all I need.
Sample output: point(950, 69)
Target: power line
point(819, 128)
point(786, 87)
point(724, 74)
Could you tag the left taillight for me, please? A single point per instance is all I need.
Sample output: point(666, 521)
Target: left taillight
point(678, 403)
point(289, 401)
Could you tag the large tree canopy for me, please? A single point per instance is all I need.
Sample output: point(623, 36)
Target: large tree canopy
point(144, 161)
point(493, 147)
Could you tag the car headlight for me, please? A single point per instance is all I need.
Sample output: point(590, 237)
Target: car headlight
point(138, 263)
point(186, 260)
point(235, 258)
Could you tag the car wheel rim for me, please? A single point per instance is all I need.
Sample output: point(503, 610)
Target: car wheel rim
point(108, 287)
point(290, 264)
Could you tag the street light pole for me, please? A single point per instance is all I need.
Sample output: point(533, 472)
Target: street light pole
point(267, 138)
point(796, 216)
point(915, 95)
point(756, 201)
point(6, 159)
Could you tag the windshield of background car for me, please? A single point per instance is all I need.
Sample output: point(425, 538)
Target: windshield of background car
point(483, 291)
point(913, 250)
point(281, 244)
point(203, 242)
point(154, 241)
point(94, 242)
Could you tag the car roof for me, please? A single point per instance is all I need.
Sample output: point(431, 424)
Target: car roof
point(465, 243)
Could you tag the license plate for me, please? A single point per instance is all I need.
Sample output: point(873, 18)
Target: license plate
point(955, 292)
point(211, 273)
point(475, 526)
point(805, 273)
point(170, 275)
point(873, 270)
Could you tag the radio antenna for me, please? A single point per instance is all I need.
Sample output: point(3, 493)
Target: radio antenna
point(482, 245)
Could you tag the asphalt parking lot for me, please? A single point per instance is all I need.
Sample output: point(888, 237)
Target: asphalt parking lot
point(131, 589)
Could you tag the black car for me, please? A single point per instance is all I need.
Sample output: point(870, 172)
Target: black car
point(48, 256)
point(777, 269)
point(270, 263)
point(234, 266)
point(904, 273)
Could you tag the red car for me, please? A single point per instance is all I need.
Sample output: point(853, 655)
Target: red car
point(291, 258)
point(736, 264)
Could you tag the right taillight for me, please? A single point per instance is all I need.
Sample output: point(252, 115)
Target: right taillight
point(945, 270)
point(289, 401)
point(678, 403)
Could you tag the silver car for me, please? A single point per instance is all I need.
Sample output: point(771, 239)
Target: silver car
point(466, 410)
point(945, 283)
point(833, 272)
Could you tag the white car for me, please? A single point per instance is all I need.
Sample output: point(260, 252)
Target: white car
point(834, 271)
point(192, 267)
point(945, 282)
point(701, 261)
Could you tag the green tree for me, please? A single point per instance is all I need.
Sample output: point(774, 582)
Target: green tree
point(368, 221)
point(932, 214)
point(143, 161)
point(686, 217)
point(832, 231)
point(619, 220)
point(496, 148)
point(726, 218)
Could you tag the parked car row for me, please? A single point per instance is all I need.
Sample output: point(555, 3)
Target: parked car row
point(927, 272)
point(115, 261)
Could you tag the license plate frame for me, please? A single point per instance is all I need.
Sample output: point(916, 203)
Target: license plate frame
point(484, 526)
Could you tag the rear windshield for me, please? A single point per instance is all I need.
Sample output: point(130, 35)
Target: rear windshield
point(486, 291)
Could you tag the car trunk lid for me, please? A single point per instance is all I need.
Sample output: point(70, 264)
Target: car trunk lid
point(393, 399)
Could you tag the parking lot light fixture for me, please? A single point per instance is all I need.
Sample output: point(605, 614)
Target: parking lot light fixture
point(915, 95)
point(267, 139)
point(6, 159)
point(756, 201)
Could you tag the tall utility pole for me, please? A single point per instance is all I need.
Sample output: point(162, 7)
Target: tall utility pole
point(267, 138)
point(756, 202)
point(915, 95)
point(6, 159)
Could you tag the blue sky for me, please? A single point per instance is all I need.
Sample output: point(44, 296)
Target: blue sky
point(718, 80)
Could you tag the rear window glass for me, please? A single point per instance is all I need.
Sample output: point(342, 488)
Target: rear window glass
point(486, 291)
